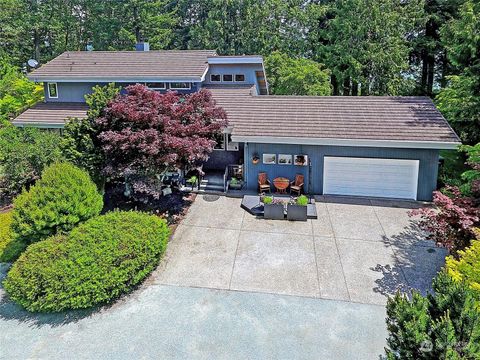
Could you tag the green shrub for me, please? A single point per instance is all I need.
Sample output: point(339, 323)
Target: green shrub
point(434, 326)
point(302, 200)
point(24, 153)
point(10, 248)
point(467, 267)
point(62, 198)
point(96, 262)
point(268, 199)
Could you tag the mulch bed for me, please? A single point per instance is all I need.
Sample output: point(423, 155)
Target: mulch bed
point(172, 207)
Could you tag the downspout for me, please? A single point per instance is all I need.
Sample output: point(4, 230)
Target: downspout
point(245, 162)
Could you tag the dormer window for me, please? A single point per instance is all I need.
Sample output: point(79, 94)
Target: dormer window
point(156, 86)
point(215, 78)
point(227, 77)
point(239, 77)
point(180, 86)
point(52, 90)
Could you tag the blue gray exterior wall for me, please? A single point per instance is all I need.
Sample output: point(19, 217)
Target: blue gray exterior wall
point(75, 92)
point(427, 177)
point(246, 69)
point(220, 159)
point(70, 92)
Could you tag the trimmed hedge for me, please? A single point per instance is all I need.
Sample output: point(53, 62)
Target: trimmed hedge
point(97, 262)
point(10, 248)
point(62, 198)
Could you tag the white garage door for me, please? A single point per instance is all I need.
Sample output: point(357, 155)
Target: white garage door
point(388, 178)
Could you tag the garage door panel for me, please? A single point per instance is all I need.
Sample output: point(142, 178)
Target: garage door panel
point(391, 178)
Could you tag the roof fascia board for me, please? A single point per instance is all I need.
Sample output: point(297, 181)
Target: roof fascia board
point(220, 60)
point(38, 125)
point(439, 145)
point(202, 79)
point(109, 79)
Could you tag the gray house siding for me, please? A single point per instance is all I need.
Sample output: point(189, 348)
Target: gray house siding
point(246, 69)
point(219, 159)
point(75, 92)
point(70, 92)
point(427, 177)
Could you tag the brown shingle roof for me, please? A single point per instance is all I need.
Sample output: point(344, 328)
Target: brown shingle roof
point(118, 65)
point(334, 117)
point(51, 114)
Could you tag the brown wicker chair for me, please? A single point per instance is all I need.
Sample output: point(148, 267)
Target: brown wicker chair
point(297, 184)
point(263, 182)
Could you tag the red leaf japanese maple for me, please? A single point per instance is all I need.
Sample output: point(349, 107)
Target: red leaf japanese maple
point(144, 132)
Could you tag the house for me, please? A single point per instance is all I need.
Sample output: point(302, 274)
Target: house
point(362, 146)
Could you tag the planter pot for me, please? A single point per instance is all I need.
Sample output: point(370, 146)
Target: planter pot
point(296, 212)
point(237, 186)
point(273, 211)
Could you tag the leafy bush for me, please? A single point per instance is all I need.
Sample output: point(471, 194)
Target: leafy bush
point(24, 153)
point(302, 200)
point(267, 199)
point(98, 261)
point(451, 224)
point(16, 92)
point(62, 198)
point(10, 248)
point(441, 326)
point(79, 142)
point(467, 267)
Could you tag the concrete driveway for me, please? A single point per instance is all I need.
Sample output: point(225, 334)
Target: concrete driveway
point(224, 290)
point(358, 250)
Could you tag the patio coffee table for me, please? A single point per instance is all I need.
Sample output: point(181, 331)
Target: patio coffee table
point(281, 184)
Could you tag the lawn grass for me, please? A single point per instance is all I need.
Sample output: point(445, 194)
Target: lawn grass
point(10, 249)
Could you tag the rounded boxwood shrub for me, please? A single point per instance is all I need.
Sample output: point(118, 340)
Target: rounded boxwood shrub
point(98, 261)
point(63, 197)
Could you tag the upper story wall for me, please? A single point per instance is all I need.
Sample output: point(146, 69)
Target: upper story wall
point(76, 91)
point(248, 70)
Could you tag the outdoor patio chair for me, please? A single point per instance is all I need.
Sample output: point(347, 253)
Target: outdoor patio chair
point(263, 182)
point(297, 184)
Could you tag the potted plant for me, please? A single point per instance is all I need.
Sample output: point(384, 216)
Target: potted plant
point(235, 184)
point(297, 209)
point(192, 181)
point(273, 208)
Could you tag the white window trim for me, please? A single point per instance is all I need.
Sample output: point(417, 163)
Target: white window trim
point(238, 81)
point(162, 88)
point(233, 78)
point(48, 88)
point(186, 88)
point(214, 80)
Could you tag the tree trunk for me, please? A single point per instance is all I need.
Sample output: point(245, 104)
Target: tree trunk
point(136, 25)
point(430, 74)
point(443, 76)
point(335, 90)
point(354, 88)
point(423, 83)
point(346, 86)
point(36, 45)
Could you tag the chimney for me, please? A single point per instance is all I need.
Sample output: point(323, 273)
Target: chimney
point(142, 46)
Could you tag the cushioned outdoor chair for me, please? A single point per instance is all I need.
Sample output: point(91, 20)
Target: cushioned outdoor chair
point(297, 184)
point(263, 183)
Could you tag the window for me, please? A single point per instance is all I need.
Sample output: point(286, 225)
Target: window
point(239, 77)
point(231, 145)
point(220, 145)
point(156, 86)
point(215, 78)
point(52, 90)
point(227, 77)
point(180, 85)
